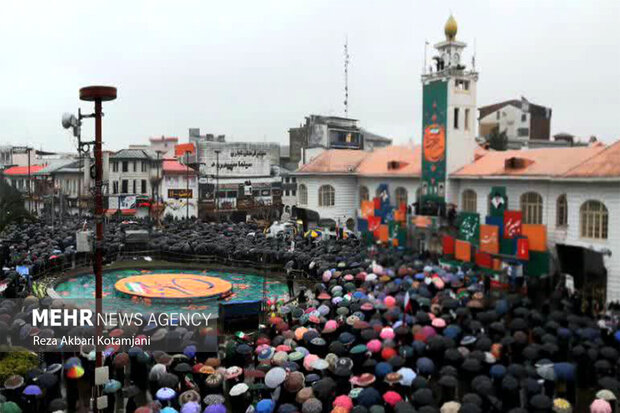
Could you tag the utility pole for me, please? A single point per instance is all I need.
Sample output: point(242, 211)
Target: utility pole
point(186, 185)
point(29, 183)
point(217, 183)
point(98, 94)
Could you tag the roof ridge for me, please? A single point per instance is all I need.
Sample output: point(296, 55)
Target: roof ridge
point(590, 157)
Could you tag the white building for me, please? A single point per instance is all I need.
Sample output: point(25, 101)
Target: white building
point(574, 191)
point(179, 190)
point(132, 175)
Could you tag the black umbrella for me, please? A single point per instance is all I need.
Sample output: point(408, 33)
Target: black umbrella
point(168, 380)
point(540, 401)
point(423, 397)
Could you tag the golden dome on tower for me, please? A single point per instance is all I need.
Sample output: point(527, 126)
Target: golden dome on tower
point(450, 28)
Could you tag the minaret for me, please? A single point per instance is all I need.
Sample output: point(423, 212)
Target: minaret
point(448, 118)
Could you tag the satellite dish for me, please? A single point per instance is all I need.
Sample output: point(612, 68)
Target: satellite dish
point(69, 121)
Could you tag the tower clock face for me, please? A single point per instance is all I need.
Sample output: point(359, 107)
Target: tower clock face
point(455, 59)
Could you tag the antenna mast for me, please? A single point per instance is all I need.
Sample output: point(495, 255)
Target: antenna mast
point(346, 77)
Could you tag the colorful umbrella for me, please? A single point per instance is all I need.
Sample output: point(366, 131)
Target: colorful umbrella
point(75, 372)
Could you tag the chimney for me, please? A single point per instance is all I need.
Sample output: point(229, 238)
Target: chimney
point(194, 132)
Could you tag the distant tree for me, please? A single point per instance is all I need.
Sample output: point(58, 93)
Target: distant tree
point(12, 208)
point(497, 140)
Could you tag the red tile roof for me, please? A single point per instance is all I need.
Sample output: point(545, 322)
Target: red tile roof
point(605, 164)
point(393, 161)
point(174, 166)
point(335, 161)
point(546, 162)
point(23, 170)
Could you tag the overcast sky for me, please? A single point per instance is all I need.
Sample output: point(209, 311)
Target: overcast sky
point(252, 69)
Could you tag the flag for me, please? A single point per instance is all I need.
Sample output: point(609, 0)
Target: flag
point(408, 306)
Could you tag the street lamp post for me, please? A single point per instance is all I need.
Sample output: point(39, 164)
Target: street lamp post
point(217, 184)
point(186, 185)
point(98, 94)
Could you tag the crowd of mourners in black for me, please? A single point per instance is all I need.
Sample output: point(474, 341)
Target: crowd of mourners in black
point(376, 330)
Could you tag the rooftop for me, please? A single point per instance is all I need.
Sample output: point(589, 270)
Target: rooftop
point(174, 166)
point(334, 161)
point(134, 154)
point(543, 162)
point(23, 170)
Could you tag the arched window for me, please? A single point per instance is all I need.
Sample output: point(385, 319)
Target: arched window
point(327, 196)
point(532, 208)
point(302, 191)
point(401, 196)
point(469, 201)
point(364, 194)
point(561, 212)
point(593, 219)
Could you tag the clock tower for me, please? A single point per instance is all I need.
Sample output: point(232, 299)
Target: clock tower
point(448, 119)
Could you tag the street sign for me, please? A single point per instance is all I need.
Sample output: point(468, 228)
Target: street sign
point(20, 149)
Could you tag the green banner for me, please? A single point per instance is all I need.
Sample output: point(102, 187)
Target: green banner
point(469, 227)
point(434, 120)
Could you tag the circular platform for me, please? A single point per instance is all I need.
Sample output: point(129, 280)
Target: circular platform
point(181, 287)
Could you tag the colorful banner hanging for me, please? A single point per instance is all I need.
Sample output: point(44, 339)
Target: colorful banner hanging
point(462, 250)
point(483, 259)
point(498, 202)
point(469, 227)
point(512, 224)
point(368, 209)
point(536, 235)
point(489, 239)
point(434, 120)
point(373, 223)
point(523, 249)
point(448, 245)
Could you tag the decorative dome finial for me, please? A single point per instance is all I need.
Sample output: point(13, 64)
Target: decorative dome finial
point(450, 28)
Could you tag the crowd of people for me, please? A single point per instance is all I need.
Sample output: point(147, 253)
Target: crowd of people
point(380, 330)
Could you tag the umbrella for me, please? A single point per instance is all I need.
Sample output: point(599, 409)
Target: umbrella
point(600, 406)
point(10, 407)
point(605, 395)
point(75, 372)
point(313, 233)
point(32, 390)
point(165, 394)
point(14, 382)
point(112, 386)
point(275, 377)
point(190, 407)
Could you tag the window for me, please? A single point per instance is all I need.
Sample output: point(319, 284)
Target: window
point(114, 166)
point(461, 84)
point(523, 117)
point(294, 192)
point(134, 166)
point(531, 208)
point(125, 166)
point(497, 115)
point(144, 166)
point(523, 132)
point(401, 196)
point(115, 187)
point(327, 196)
point(286, 192)
point(303, 194)
point(143, 186)
point(364, 194)
point(466, 119)
point(594, 218)
point(561, 215)
point(469, 201)
point(125, 186)
point(134, 187)
point(456, 118)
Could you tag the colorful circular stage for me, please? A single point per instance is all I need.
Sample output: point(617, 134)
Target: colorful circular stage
point(178, 287)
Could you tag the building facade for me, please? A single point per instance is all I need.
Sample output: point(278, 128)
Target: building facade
point(179, 190)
